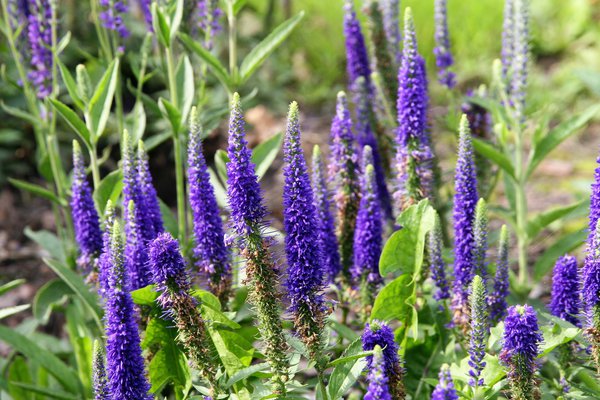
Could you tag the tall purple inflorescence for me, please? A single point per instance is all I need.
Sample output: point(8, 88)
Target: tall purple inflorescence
point(136, 255)
point(344, 172)
point(149, 197)
point(368, 236)
point(209, 14)
point(146, 7)
point(566, 300)
point(378, 333)
point(414, 158)
point(465, 201)
point(305, 273)
point(124, 361)
point(480, 234)
point(111, 15)
point(497, 299)
point(40, 22)
point(391, 23)
point(210, 253)
point(86, 221)
point(247, 214)
point(520, 59)
point(520, 349)
point(104, 259)
point(436, 262)
point(356, 49)
point(443, 54)
point(329, 245)
point(508, 37)
point(99, 382)
point(378, 381)
point(479, 330)
point(444, 390)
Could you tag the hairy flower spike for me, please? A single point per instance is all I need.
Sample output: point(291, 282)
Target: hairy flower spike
point(391, 23)
point(210, 253)
point(566, 300)
point(247, 214)
point(479, 330)
point(169, 272)
point(414, 157)
point(365, 136)
point(378, 381)
point(40, 21)
point(508, 38)
point(85, 217)
point(344, 172)
point(520, 349)
point(436, 262)
point(111, 15)
point(520, 59)
point(104, 259)
point(99, 382)
point(497, 299)
point(124, 361)
point(305, 273)
point(591, 291)
point(149, 197)
point(368, 239)
point(209, 14)
point(444, 390)
point(356, 50)
point(136, 255)
point(480, 227)
point(443, 54)
point(327, 238)
point(378, 333)
point(465, 200)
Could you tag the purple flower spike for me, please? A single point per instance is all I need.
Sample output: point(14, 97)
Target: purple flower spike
point(344, 172)
point(149, 197)
point(378, 333)
point(132, 191)
point(305, 273)
point(465, 201)
point(136, 255)
point(85, 217)
point(414, 158)
point(356, 50)
point(444, 390)
point(522, 338)
point(436, 262)
point(99, 382)
point(478, 334)
point(520, 60)
point(146, 7)
point(507, 37)
point(210, 253)
point(104, 259)
point(209, 14)
point(329, 244)
point(378, 381)
point(443, 54)
point(39, 37)
point(111, 14)
point(368, 235)
point(566, 300)
point(124, 361)
point(391, 23)
point(497, 299)
point(591, 291)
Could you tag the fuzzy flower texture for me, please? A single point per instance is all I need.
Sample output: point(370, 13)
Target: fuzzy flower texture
point(443, 55)
point(111, 14)
point(566, 303)
point(444, 390)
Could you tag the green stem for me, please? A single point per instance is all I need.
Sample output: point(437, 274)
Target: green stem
point(521, 208)
point(231, 18)
point(321, 379)
point(95, 167)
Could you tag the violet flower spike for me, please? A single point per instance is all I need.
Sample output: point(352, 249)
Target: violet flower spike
point(391, 23)
point(209, 14)
point(99, 382)
point(146, 7)
point(149, 197)
point(378, 388)
point(356, 49)
point(520, 60)
point(327, 238)
point(304, 282)
point(465, 200)
point(497, 299)
point(211, 255)
point(478, 334)
point(86, 221)
point(444, 390)
point(520, 349)
point(508, 38)
point(344, 173)
point(480, 227)
point(136, 254)
point(566, 297)
point(591, 292)
point(124, 361)
point(111, 15)
point(378, 333)
point(104, 259)
point(442, 51)
point(436, 262)
point(39, 40)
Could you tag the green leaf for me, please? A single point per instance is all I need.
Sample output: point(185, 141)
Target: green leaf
point(213, 63)
point(47, 393)
point(70, 84)
point(403, 252)
point(171, 113)
point(261, 51)
point(136, 122)
point(265, 153)
point(352, 357)
point(176, 18)
point(110, 188)
point(63, 43)
point(563, 245)
point(145, 296)
point(220, 191)
point(246, 373)
point(184, 80)
point(161, 25)
point(16, 112)
point(156, 140)
point(37, 190)
point(7, 287)
point(8, 311)
point(74, 122)
point(168, 218)
point(498, 158)
point(47, 297)
point(238, 5)
point(395, 301)
point(81, 290)
point(101, 101)
point(343, 330)
point(346, 374)
point(557, 135)
point(18, 373)
point(49, 242)
point(235, 352)
point(542, 220)
point(64, 375)
point(221, 160)
point(559, 332)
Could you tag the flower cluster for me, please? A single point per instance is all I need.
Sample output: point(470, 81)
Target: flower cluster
point(566, 302)
point(111, 14)
point(479, 330)
point(443, 54)
point(378, 381)
point(444, 390)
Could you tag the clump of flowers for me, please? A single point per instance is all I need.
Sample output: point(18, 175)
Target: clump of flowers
point(565, 299)
point(442, 51)
point(99, 382)
point(378, 381)
point(444, 390)
point(111, 15)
